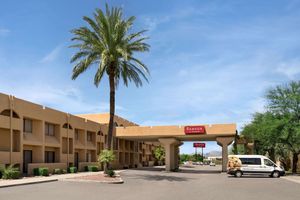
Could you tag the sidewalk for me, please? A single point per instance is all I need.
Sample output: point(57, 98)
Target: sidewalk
point(293, 178)
point(43, 179)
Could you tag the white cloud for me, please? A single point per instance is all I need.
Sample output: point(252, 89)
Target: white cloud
point(4, 31)
point(290, 70)
point(52, 55)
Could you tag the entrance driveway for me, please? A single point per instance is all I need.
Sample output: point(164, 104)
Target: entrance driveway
point(191, 183)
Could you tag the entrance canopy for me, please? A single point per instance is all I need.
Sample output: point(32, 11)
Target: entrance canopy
point(154, 133)
point(171, 138)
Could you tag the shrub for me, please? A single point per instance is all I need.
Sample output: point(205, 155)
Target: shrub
point(72, 169)
point(64, 171)
point(106, 157)
point(91, 168)
point(11, 173)
point(36, 172)
point(43, 171)
point(2, 167)
point(57, 171)
point(110, 172)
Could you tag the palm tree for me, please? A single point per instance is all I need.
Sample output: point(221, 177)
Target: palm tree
point(109, 44)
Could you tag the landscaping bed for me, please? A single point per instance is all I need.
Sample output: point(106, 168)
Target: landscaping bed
point(102, 178)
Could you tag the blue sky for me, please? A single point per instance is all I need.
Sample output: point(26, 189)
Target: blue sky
point(210, 61)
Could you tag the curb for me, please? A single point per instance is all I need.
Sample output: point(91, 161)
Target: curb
point(93, 181)
point(28, 183)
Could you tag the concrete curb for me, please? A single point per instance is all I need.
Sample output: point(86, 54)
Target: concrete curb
point(28, 183)
point(120, 181)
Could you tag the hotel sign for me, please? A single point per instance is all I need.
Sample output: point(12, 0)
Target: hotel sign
point(199, 145)
point(194, 130)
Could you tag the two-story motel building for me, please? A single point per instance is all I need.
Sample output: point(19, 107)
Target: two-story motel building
point(34, 136)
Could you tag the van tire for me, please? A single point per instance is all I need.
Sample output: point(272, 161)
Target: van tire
point(238, 174)
point(276, 174)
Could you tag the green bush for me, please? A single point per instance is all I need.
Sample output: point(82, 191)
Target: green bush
point(57, 171)
point(11, 173)
point(110, 172)
point(43, 171)
point(36, 172)
point(64, 171)
point(91, 168)
point(2, 167)
point(72, 169)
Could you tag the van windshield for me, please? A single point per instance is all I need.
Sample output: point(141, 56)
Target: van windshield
point(268, 162)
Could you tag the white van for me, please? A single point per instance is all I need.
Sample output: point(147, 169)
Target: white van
point(253, 164)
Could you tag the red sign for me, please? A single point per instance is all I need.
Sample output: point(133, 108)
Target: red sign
point(199, 145)
point(189, 130)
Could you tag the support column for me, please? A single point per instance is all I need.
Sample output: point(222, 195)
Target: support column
point(169, 145)
point(176, 154)
point(224, 142)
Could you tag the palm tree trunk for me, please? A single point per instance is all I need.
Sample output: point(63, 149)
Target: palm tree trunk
point(111, 111)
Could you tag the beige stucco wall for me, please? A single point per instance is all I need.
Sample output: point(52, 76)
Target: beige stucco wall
point(38, 142)
point(50, 166)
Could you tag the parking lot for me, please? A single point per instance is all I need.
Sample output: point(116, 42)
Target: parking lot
point(200, 182)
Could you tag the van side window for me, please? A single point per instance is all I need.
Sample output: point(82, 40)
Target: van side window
point(251, 161)
point(268, 162)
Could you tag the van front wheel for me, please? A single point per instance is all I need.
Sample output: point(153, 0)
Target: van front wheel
point(238, 174)
point(275, 174)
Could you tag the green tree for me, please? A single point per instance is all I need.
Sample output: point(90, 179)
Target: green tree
point(106, 157)
point(109, 44)
point(159, 153)
point(265, 130)
point(284, 101)
point(185, 157)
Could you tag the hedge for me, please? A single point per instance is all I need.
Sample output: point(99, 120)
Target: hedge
point(72, 169)
point(91, 168)
point(57, 171)
point(12, 173)
point(42, 171)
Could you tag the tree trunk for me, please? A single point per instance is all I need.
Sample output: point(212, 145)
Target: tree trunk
point(272, 154)
point(111, 111)
point(295, 162)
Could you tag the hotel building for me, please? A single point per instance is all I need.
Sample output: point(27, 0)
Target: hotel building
point(34, 136)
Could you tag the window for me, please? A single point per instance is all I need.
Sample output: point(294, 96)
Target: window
point(251, 161)
point(7, 113)
point(89, 136)
point(49, 157)
point(76, 134)
point(49, 129)
point(115, 143)
point(88, 157)
point(67, 125)
point(27, 126)
point(268, 162)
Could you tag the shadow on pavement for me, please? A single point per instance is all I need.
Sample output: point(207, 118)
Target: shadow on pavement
point(251, 176)
point(191, 171)
point(158, 177)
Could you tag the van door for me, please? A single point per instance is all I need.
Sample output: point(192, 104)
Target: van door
point(268, 166)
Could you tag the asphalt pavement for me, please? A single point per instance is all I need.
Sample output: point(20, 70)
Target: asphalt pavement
point(152, 183)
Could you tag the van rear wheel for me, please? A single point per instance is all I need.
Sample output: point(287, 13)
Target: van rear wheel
point(275, 174)
point(238, 174)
